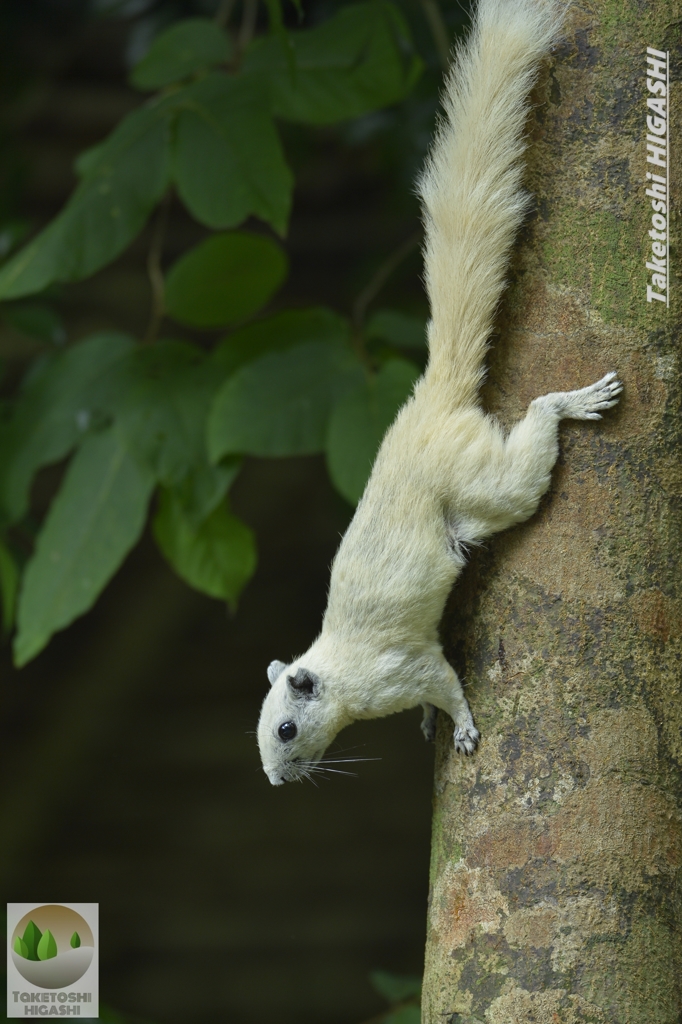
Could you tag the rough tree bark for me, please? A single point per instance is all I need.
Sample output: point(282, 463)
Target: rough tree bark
point(555, 881)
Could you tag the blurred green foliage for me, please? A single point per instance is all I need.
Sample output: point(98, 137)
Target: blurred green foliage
point(139, 417)
point(402, 993)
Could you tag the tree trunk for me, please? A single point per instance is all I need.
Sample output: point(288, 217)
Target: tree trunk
point(555, 880)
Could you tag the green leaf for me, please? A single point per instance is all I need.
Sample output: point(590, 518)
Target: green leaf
point(123, 178)
point(52, 415)
point(158, 397)
point(37, 321)
point(12, 233)
point(359, 421)
point(396, 987)
point(47, 947)
point(280, 404)
point(397, 328)
point(204, 488)
point(359, 60)
point(32, 936)
point(75, 940)
point(277, 28)
point(228, 161)
point(9, 582)
point(224, 279)
point(20, 947)
point(183, 49)
point(93, 522)
point(277, 333)
point(404, 1015)
point(217, 558)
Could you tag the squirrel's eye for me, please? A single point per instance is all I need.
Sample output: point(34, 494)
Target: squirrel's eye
point(287, 731)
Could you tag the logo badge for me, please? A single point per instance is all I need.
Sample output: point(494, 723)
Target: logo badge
point(52, 960)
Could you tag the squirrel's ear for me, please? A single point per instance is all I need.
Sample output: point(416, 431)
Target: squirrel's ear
point(275, 669)
point(304, 683)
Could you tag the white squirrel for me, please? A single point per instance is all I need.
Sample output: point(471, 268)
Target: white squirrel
point(446, 476)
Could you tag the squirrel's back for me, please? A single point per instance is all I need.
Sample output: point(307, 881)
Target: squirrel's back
point(473, 206)
point(471, 188)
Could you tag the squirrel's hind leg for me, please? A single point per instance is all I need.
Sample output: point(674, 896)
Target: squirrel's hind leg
point(532, 447)
point(520, 471)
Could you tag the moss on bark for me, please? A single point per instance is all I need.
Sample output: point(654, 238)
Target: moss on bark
point(557, 849)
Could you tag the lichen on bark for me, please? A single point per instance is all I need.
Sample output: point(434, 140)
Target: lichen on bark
point(557, 848)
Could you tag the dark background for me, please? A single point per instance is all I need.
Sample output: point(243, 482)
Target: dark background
point(130, 772)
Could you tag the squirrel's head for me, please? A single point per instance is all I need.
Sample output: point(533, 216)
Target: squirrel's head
point(296, 723)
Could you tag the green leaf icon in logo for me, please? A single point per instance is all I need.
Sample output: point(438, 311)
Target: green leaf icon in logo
point(20, 947)
point(32, 936)
point(47, 947)
point(75, 940)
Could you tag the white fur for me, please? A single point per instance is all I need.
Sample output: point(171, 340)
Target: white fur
point(446, 476)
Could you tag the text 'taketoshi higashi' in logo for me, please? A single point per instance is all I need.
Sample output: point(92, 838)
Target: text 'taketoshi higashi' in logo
point(52, 960)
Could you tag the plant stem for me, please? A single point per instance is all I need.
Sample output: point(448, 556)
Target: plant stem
point(439, 31)
point(370, 292)
point(248, 25)
point(224, 12)
point(155, 272)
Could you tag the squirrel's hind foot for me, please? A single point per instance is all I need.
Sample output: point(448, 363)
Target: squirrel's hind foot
point(593, 400)
point(586, 404)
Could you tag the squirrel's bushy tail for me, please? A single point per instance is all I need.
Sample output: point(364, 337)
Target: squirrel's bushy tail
point(471, 184)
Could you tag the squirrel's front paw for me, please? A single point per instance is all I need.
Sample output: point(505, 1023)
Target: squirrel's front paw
point(466, 738)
